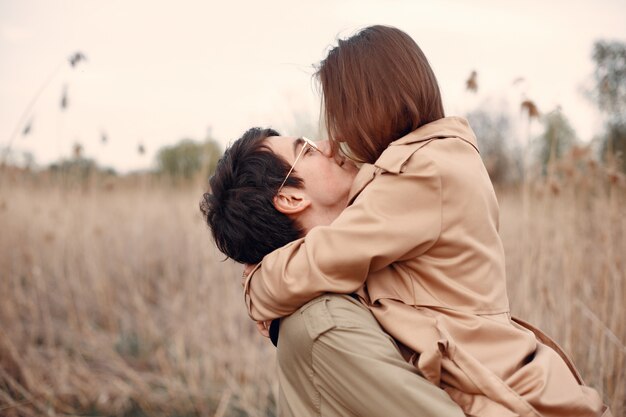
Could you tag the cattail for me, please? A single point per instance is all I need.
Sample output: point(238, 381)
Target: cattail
point(615, 177)
point(554, 186)
point(75, 58)
point(530, 108)
point(64, 98)
point(472, 83)
point(27, 128)
point(77, 150)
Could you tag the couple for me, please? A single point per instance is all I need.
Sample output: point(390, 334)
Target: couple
point(390, 278)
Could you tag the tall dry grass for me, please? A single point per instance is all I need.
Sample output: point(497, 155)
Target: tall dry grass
point(115, 302)
point(565, 242)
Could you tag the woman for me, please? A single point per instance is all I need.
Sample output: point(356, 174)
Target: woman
point(423, 204)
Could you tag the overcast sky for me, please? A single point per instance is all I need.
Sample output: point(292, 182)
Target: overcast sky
point(160, 71)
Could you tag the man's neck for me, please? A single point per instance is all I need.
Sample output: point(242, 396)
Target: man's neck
point(313, 218)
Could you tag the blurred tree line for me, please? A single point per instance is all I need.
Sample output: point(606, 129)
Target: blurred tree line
point(79, 166)
point(188, 158)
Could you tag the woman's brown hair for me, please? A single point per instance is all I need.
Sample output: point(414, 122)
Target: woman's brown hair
point(377, 87)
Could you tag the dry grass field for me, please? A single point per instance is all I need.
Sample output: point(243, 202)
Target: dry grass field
point(115, 302)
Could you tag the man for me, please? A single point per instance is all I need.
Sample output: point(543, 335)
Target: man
point(333, 357)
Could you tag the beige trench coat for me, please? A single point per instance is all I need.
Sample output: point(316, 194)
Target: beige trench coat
point(422, 234)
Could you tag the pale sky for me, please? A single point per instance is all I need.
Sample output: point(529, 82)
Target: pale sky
point(161, 71)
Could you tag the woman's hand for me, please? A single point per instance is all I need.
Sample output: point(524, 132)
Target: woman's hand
point(264, 327)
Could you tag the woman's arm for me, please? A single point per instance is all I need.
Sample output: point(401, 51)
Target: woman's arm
point(396, 217)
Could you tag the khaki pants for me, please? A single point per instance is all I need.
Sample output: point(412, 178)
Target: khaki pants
point(335, 360)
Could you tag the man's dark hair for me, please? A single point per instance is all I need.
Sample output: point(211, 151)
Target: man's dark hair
point(239, 206)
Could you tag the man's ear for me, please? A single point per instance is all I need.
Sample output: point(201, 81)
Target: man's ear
point(291, 202)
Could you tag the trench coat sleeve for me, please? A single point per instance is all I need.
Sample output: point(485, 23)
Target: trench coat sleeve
point(395, 217)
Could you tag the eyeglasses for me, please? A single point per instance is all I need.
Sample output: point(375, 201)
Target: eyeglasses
point(307, 142)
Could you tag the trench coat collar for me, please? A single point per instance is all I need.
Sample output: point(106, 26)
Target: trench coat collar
point(442, 128)
point(394, 157)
